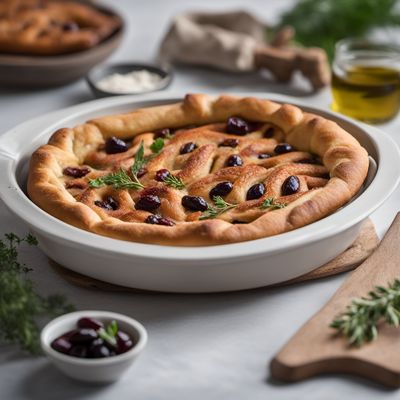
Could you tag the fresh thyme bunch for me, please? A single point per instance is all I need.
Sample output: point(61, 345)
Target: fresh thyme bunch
point(20, 304)
point(360, 319)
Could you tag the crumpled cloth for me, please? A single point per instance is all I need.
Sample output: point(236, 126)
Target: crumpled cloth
point(236, 41)
point(222, 40)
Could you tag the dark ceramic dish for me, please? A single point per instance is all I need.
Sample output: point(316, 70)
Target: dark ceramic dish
point(24, 71)
point(101, 72)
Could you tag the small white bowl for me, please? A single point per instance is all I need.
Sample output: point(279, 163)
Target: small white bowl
point(99, 370)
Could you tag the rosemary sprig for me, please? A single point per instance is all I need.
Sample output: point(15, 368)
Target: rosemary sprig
point(174, 181)
point(360, 319)
point(20, 304)
point(121, 179)
point(272, 204)
point(211, 212)
point(140, 161)
point(221, 206)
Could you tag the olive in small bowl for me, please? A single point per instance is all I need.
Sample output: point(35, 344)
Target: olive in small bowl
point(98, 349)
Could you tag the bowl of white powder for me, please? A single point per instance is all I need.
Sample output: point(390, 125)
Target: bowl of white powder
point(120, 79)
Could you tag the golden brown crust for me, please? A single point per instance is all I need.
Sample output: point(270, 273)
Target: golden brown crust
point(51, 27)
point(322, 188)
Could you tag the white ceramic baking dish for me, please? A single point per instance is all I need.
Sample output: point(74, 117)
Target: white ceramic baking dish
point(190, 269)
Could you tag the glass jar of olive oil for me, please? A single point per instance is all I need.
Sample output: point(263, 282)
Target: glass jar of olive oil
point(366, 80)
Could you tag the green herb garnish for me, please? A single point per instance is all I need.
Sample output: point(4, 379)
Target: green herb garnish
point(221, 206)
point(121, 179)
point(20, 304)
point(170, 180)
point(270, 203)
point(360, 319)
point(140, 161)
point(109, 333)
point(157, 145)
point(112, 328)
point(174, 181)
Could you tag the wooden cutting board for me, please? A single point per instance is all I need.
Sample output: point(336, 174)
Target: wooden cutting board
point(316, 349)
point(363, 246)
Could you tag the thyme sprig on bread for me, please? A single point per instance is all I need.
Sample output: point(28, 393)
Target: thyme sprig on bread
point(272, 204)
point(121, 179)
point(174, 181)
point(220, 207)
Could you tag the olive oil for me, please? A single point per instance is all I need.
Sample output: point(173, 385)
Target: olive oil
point(367, 93)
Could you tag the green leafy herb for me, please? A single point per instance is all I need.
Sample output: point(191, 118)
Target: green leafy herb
point(174, 181)
point(360, 319)
point(221, 206)
point(109, 333)
point(140, 161)
point(20, 304)
point(157, 145)
point(211, 212)
point(121, 179)
point(270, 203)
point(112, 328)
point(323, 22)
